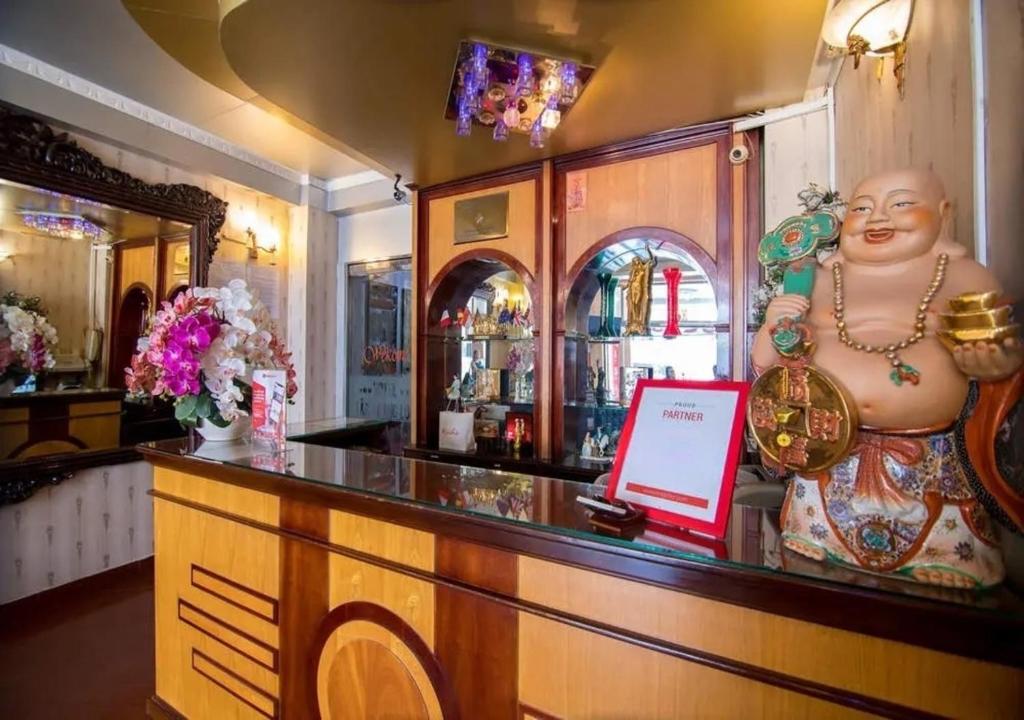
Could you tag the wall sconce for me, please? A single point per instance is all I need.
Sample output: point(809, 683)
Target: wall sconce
point(870, 27)
point(4, 255)
point(267, 241)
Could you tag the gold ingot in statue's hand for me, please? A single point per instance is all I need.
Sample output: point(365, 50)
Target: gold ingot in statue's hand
point(953, 338)
point(972, 302)
point(976, 319)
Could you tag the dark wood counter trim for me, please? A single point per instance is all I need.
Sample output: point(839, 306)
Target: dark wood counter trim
point(305, 601)
point(748, 671)
point(21, 479)
point(64, 397)
point(945, 627)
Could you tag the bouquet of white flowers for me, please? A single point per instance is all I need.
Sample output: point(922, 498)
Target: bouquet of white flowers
point(26, 338)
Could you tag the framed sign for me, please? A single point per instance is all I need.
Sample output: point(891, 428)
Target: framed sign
point(679, 450)
point(481, 218)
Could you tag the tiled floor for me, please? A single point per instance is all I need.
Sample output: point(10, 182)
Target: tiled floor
point(83, 651)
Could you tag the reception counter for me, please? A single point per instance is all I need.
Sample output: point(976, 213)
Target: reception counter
point(312, 581)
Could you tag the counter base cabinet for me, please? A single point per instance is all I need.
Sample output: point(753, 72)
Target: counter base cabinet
point(268, 606)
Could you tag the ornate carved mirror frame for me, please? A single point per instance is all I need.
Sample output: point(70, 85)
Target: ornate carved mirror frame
point(34, 154)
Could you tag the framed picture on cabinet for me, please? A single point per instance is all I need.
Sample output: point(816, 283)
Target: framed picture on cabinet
point(679, 451)
point(630, 376)
point(481, 218)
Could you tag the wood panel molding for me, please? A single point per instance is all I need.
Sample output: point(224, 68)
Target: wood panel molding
point(234, 593)
point(476, 640)
point(305, 585)
point(231, 637)
point(236, 685)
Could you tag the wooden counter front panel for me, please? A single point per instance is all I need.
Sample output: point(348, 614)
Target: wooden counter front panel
point(217, 593)
point(566, 672)
point(405, 623)
point(848, 662)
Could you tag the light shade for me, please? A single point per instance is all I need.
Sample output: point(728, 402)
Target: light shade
point(882, 24)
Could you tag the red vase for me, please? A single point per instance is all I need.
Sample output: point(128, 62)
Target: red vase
point(672, 277)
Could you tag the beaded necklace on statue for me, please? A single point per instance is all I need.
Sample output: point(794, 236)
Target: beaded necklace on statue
point(901, 371)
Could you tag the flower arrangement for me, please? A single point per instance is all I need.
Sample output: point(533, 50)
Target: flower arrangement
point(201, 351)
point(26, 338)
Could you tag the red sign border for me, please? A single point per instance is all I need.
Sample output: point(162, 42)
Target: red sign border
point(717, 528)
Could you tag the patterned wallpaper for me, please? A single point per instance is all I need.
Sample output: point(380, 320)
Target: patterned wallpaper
point(97, 520)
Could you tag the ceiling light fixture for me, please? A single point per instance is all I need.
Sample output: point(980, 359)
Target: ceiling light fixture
point(870, 27)
point(509, 90)
point(62, 225)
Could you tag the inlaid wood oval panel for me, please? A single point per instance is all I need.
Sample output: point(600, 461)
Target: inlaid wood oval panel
point(366, 681)
point(369, 663)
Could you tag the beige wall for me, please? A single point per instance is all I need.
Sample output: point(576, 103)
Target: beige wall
point(795, 155)
point(1004, 59)
point(931, 126)
point(58, 272)
point(244, 205)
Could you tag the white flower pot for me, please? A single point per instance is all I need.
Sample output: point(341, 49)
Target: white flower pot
point(234, 431)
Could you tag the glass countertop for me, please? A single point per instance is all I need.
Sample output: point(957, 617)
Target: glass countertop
point(752, 542)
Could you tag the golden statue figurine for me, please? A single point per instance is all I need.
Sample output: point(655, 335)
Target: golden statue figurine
point(911, 329)
point(638, 294)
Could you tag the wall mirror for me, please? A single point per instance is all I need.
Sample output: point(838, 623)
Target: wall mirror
point(87, 255)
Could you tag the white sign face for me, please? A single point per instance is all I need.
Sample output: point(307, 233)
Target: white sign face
point(677, 458)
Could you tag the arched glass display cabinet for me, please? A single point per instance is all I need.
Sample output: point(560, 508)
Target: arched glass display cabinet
point(606, 350)
point(480, 337)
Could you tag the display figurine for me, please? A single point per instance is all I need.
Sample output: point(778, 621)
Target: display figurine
point(590, 397)
point(600, 391)
point(468, 385)
point(587, 450)
point(672, 278)
point(454, 394)
point(606, 283)
point(907, 497)
point(462, 317)
point(519, 429)
point(504, 318)
point(638, 294)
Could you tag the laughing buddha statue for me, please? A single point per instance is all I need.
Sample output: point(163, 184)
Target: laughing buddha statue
point(910, 497)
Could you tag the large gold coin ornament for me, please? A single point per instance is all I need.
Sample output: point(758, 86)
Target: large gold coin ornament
point(801, 418)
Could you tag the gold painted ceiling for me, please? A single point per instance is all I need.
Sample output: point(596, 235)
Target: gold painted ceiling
point(372, 76)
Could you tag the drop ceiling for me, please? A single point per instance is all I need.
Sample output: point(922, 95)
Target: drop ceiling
point(373, 76)
point(98, 40)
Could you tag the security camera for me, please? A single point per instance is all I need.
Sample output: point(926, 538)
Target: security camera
point(739, 154)
point(399, 194)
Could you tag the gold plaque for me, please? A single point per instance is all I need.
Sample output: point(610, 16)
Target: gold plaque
point(801, 418)
point(481, 218)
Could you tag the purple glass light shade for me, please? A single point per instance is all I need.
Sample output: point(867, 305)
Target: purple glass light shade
point(537, 135)
point(500, 130)
point(568, 91)
point(672, 278)
point(463, 125)
point(479, 59)
point(524, 80)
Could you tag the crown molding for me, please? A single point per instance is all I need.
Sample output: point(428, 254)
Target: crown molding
point(17, 60)
point(354, 180)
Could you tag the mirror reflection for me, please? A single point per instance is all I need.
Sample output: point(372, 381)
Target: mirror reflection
point(79, 282)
